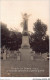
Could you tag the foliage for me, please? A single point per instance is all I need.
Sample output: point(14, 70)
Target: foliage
point(39, 40)
point(10, 39)
point(39, 29)
point(15, 40)
point(40, 45)
point(4, 34)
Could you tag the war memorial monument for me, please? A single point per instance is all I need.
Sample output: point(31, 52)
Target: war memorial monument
point(25, 47)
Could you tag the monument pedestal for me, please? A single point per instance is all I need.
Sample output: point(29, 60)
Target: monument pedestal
point(25, 50)
point(25, 42)
point(25, 54)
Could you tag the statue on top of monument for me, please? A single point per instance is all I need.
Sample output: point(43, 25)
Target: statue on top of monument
point(25, 16)
point(25, 22)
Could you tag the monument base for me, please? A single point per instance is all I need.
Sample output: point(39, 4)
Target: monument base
point(25, 54)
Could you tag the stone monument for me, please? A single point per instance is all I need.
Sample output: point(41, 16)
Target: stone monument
point(25, 47)
point(25, 34)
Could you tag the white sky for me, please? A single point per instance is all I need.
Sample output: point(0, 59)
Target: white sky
point(11, 12)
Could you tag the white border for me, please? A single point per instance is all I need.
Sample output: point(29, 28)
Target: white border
point(49, 38)
point(25, 78)
point(0, 39)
